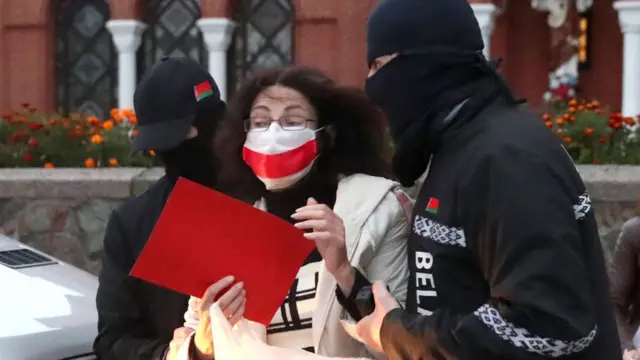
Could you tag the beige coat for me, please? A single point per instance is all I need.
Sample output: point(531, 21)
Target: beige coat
point(375, 212)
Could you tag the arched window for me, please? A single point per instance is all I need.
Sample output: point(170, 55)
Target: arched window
point(263, 37)
point(171, 31)
point(85, 58)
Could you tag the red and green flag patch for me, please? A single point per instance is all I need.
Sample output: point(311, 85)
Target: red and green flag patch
point(433, 205)
point(203, 90)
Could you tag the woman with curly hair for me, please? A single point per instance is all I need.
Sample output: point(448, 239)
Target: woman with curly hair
point(313, 152)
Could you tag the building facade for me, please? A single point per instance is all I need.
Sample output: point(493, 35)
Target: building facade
point(87, 55)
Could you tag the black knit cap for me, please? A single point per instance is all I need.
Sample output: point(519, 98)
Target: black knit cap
point(401, 25)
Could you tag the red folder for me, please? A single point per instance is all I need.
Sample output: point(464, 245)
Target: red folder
point(203, 236)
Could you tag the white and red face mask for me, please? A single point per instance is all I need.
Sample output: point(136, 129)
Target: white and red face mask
point(280, 158)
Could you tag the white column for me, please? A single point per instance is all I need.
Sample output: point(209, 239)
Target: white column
point(216, 33)
point(629, 19)
point(485, 14)
point(127, 35)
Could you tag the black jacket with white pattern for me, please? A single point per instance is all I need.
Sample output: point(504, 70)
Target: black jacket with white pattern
point(505, 257)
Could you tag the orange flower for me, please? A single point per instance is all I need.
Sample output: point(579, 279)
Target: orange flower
point(128, 113)
point(596, 161)
point(152, 153)
point(92, 120)
point(581, 108)
point(573, 102)
point(116, 115)
point(133, 119)
point(595, 103)
point(97, 139)
point(629, 121)
point(572, 110)
point(566, 116)
point(90, 163)
point(49, 165)
point(567, 139)
point(598, 111)
point(108, 124)
point(546, 117)
point(113, 162)
point(572, 119)
point(51, 122)
point(588, 131)
point(549, 124)
point(560, 121)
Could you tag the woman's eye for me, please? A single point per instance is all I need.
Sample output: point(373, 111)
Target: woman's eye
point(294, 120)
point(259, 123)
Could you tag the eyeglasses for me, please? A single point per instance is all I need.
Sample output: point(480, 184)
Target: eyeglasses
point(287, 123)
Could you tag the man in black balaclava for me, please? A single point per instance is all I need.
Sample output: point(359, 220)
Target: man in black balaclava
point(178, 106)
point(505, 258)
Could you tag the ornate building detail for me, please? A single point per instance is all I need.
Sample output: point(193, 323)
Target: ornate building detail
point(263, 38)
point(85, 58)
point(565, 24)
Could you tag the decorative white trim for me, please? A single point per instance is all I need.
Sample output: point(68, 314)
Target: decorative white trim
point(127, 35)
point(439, 233)
point(216, 33)
point(523, 339)
point(485, 14)
point(582, 206)
point(629, 20)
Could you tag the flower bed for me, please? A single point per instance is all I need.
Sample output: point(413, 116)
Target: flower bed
point(593, 134)
point(32, 139)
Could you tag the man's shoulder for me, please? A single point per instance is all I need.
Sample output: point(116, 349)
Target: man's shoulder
point(148, 203)
point(516, 135)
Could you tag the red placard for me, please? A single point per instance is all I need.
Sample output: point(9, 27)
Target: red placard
point(203, 236)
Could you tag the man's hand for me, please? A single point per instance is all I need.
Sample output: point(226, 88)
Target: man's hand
point(368, 329)
point(179, 337)
point(328, 233)
point(232, 304)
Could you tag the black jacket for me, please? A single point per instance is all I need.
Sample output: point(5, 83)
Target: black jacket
point(505, 258)
point(136, 319)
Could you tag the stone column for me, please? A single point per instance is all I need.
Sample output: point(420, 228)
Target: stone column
point(485, 14)
point(216, 33)
point(127, 35)
point(629, 19)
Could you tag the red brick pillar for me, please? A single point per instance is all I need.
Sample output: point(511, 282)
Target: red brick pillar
point(26, 72)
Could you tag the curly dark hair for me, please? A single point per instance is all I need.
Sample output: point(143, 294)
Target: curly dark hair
point(360, 143)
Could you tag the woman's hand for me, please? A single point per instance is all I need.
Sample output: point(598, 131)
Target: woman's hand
point(328, 233)
point(232, 304)
point(179, 337)
point(631, 355)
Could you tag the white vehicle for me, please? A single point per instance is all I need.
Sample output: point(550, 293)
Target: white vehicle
point(47, 307)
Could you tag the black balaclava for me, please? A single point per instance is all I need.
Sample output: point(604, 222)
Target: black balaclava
point(439, 65)
point(194, 158)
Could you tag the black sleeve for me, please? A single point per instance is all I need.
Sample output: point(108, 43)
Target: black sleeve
point(523, 229)
point(121, 334)
point(348, 303)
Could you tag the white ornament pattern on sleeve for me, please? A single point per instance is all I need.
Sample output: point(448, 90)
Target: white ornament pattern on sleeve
point(523, 339)
point(582, 206)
